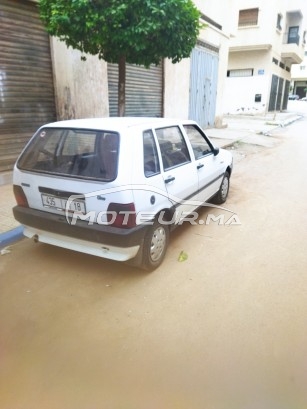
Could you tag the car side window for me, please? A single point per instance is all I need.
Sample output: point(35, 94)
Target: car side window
point(173, 147)
point(199, 144)
point(151, 159)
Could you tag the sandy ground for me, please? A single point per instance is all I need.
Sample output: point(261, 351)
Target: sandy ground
point(225, 329)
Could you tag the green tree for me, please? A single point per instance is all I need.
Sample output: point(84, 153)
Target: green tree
point(138, 32)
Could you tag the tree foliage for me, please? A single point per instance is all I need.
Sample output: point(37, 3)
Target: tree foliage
point(139, 32)
point(144, 31)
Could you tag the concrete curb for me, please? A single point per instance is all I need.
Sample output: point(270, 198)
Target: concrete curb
point(291, 120)
point(11, 236)
point(282, 124)
point(267, 132)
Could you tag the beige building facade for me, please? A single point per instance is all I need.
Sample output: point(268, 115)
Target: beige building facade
point(269, 38)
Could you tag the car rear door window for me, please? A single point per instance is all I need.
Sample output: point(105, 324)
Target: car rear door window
point(173, 147)
point(151, 159)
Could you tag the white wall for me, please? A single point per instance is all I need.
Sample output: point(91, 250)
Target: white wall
point(81, 87)
point(177, 86)
point(221, 86)
point(221, 11)
point(240, 94)
point(299, 71)
point(240, 91)
point(258, 60)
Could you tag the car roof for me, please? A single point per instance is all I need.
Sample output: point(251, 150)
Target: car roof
point(116, 123)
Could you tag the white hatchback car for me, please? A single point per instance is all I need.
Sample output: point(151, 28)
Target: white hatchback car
point(116, 187)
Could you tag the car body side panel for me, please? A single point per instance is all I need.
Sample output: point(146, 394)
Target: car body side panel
point(211, 173)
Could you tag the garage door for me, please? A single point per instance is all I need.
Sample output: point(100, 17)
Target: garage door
point(26, 81)
point(144, 90)
point(203, 84)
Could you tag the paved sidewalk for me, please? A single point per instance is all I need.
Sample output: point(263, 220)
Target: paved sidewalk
point(10, 229)
point(252, 129)
point(7, 202)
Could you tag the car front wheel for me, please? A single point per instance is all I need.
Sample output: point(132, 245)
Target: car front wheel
point(222, 194)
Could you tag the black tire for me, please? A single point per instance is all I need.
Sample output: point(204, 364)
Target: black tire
point(155, 245)
point(222, 194)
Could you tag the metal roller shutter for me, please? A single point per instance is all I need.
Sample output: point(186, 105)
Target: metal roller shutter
point(279, 94)
point(26, 80)
point(286, 95)
point(144, 90)
point(273, 93)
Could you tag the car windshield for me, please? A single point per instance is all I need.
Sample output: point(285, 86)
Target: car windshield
point(75, 152)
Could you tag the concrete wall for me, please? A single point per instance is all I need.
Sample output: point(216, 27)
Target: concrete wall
point(240, 94)
point(177, 77)
point(240, 91)
point(221, 86)
point(81, 87)
point(299, 71)
point(177, 85)
point(258, 60)
point(299, 76)
point(223, 12)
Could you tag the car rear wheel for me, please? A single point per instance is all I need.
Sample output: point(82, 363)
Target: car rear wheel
point(155, 245)
point(222, 194)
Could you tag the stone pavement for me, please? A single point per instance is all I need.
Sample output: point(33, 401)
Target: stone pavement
point(253, 129)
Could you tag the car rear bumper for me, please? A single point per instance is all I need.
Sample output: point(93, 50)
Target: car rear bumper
point(100, 240)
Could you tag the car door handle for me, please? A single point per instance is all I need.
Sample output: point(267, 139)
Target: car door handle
point(169, 179)
point(200, 165)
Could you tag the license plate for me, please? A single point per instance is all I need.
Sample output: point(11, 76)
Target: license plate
point(61, 204)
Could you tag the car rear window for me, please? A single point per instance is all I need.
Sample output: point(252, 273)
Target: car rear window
point(72, 152)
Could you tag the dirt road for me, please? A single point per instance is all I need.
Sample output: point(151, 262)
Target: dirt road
point(225, 329)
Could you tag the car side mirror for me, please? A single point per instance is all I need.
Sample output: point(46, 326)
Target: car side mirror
point(216, 151)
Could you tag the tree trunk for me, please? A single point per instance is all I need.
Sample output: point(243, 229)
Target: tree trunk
point(121, 85)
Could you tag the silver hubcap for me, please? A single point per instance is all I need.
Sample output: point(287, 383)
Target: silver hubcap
point(225, 187)
point(158, 242)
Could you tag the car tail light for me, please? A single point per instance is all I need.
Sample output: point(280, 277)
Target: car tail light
point(20, 196)
point(121, 215)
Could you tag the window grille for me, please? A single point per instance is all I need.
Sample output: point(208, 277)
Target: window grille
point(240, 73)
